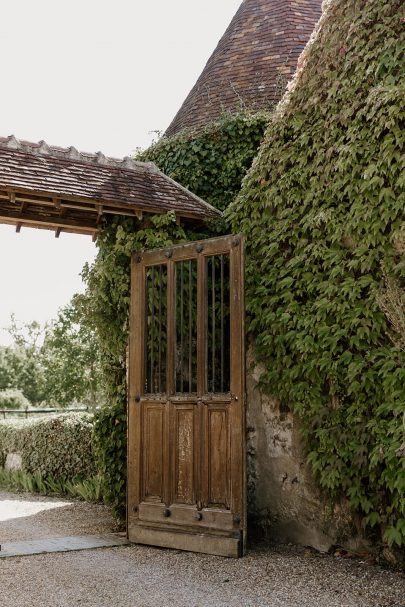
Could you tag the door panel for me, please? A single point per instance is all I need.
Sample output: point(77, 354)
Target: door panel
point(186, 417)
point(153, 452)
point(216, 444)
point(185, 435)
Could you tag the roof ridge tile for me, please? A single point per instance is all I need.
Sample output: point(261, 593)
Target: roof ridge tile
point(42, 148)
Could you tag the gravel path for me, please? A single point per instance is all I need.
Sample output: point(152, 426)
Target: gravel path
point(138, 576)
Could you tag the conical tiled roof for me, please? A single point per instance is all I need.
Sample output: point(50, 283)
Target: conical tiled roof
point(253, 61)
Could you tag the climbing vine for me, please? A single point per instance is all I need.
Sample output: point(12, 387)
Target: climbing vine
point(323, 209)
point(105, 307)
point(212, 164)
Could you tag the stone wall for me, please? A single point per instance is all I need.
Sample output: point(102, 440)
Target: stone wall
point(284, 502)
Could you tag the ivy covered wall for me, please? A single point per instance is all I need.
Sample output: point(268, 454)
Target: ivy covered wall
point(213, 161)
point(323, 209)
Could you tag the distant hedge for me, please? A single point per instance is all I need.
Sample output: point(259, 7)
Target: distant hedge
point(58, 447)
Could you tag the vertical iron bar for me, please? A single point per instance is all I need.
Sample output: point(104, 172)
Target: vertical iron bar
point(171, 316)
point(147, 333)
point(152, 371)
point(213, 323)
point(181, 325)
point(202, 325)
point(160, 331)
point(190, 328)
point(222, 323)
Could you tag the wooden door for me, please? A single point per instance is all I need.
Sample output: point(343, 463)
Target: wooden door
point(186, 420)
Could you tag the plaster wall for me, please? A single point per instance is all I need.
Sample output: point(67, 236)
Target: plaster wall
point(284, 503)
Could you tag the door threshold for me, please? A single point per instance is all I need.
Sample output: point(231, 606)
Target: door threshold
point(190, 542)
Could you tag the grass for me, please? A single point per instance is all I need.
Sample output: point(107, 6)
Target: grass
point(89, 490)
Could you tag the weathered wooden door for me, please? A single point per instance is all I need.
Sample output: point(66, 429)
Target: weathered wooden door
point(186, 436)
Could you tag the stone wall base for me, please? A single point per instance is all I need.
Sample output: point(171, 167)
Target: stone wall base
point(13, 462)
point(284, 502)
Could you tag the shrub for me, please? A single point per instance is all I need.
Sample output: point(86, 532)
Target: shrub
point(13, 399)
point(213, 161)
point(57, 447)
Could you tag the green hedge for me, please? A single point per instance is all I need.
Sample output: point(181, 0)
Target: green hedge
point(57, 447)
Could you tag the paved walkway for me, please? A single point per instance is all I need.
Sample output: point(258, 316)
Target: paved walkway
point(61, 544)
point(138, 576)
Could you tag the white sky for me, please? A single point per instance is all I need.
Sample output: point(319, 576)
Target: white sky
point(100, 76)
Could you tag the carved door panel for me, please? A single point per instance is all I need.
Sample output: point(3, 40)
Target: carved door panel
point(186, 418)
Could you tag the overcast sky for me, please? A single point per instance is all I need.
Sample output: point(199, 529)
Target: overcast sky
point(97, 75)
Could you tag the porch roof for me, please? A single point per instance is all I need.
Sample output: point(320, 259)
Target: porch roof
point(65, 190)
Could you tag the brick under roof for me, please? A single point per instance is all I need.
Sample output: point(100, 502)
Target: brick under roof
point(37, 172)
point(253, 61)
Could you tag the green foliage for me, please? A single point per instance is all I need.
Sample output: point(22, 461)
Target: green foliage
point(71, 361)
point(20, 365)
point(212, 162)
point(13, 399)
point(110, 446)
point(88, 490)
point(105, 307)
point(323, 210)
point(58, 364)
point(54, 447)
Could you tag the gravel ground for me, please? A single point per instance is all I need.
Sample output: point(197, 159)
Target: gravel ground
point(138, 576)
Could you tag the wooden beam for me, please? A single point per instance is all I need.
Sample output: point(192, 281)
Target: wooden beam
point(57, 232)
point(114, 207)
point(51, 221)
point(18, 228)
point(99, 214)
